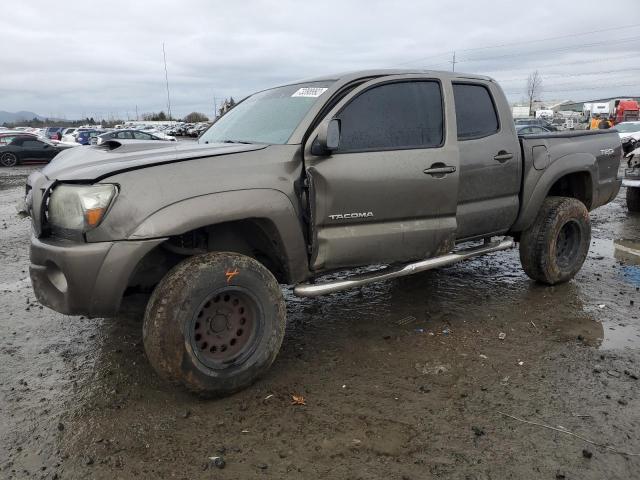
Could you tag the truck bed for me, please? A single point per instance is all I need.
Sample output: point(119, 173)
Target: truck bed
point(592, 157)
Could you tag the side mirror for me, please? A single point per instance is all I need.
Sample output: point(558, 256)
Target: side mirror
point(328, 137)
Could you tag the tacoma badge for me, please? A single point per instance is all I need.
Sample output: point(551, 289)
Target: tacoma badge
point(340, 216)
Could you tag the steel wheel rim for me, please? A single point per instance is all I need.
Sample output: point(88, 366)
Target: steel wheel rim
point(225, 327)
point(8, 160)
point(568, 244)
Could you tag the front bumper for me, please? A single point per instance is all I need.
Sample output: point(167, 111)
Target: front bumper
point(84, 278)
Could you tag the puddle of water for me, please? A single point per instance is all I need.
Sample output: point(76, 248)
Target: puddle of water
point(628, 253)
point(614, 299)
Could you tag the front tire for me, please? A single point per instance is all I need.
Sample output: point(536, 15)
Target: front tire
point(8, 160)
point(554, 248)
point(215, 323)
point(633, 199)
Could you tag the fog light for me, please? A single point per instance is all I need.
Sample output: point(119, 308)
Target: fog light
point(56, 277)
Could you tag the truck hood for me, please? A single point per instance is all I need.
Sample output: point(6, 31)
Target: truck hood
point(91, 163)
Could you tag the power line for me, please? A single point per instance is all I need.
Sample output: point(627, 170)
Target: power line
point(561, 49)
point(579, 89)
point(522, 42)
point(624, 71)
point(544, 65)
point(576, 62)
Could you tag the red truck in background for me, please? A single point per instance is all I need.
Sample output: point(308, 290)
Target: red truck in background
point(625, 111)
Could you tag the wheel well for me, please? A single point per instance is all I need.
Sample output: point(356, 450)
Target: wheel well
point(576, 185)
point(256, 238)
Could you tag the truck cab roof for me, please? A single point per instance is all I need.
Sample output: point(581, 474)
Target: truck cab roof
point(350, 76)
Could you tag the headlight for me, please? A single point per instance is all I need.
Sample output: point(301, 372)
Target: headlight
point(79, 207)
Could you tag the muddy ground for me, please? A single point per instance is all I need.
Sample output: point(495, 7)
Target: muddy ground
point(406, 379)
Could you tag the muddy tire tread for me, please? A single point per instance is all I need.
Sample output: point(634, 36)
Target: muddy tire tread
point(164, 342)
point(535, 243)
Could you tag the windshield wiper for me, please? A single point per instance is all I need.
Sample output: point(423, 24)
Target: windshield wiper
point(235, 141)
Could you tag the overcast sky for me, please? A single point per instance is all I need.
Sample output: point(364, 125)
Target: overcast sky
point(78, 58)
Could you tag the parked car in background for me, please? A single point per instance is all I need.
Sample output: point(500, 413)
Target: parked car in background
point(71, 137)
point(5, 133)
point(629, 129)
point(84, 136)
point(16, 149)
point(52, 132)
point(197, 130)
point(541, 122)
point(531, 129)
point(68, 131)
point(132, 135)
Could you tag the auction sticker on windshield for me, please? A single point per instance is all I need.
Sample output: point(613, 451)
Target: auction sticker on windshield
point(309, 92)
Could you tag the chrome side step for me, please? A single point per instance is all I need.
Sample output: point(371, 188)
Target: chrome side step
point(317, 289)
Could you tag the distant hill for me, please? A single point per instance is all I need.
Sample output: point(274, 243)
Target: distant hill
point(17, 116)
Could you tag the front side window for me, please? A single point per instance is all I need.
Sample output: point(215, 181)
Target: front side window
point(393, 116)
point(141, 136)
point(266, 117)
point(476, 115)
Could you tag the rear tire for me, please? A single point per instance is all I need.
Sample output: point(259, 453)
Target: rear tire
point(214, 323)
point(8, 160)
point(633, 199)
point(553, 249)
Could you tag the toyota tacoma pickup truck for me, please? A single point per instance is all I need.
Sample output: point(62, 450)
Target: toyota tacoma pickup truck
point(399, 170)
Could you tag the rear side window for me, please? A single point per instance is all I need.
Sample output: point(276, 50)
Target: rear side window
point(393, 116)
point(141, 136)
point(476, 115)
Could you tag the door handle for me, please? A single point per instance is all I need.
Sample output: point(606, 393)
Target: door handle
point(503, 156)
point(440, 170)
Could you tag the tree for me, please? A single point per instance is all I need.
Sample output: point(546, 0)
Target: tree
point(534, 88)
point(155, 117)
point(195, 117)
point(226, 106)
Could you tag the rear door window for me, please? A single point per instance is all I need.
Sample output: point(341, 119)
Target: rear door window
point(141, 136)
point(393, 116)
point(34, 144)
point(476, 115)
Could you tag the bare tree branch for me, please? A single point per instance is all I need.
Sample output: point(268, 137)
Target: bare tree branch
point(534, 88)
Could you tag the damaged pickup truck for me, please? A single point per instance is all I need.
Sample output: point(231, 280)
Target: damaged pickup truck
point(397, 168)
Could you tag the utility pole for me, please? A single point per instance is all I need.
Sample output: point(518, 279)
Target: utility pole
point(137, 113)
point(215, 107)
point(453, 62)
point(166, 78)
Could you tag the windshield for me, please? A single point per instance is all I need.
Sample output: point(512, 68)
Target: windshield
point(628, 127)
point(266, 117)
